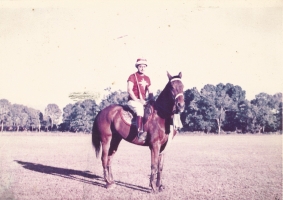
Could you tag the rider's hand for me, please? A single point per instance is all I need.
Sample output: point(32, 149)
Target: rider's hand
point(143, 102)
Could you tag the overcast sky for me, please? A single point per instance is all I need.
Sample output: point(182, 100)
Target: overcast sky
point(49, 49)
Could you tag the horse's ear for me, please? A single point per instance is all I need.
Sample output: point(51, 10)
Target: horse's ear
point(169, 76)
point(180, 74)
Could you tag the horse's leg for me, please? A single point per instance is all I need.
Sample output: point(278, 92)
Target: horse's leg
point(159, 172)
point(106, 141)
point(155, 148)
point(104, 158)
point(116, 139)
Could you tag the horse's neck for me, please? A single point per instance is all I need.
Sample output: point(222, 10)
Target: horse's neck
point(164, 102)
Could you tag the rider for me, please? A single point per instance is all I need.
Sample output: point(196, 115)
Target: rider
point(138, 86)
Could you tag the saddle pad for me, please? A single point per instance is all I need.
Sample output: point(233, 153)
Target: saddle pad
point(127, 117)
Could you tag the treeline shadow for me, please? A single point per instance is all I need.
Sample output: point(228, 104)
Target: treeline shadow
point(77, 175)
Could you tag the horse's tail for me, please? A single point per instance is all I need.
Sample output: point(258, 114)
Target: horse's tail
point(96, 140)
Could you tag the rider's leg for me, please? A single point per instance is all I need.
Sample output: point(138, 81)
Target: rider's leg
point(141, 133)
point(140, 130)
point(138, 108)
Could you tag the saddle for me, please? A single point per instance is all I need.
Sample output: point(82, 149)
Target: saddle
point(129, 116)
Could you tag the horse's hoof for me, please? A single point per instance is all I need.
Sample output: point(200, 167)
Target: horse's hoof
point(154, 191)
point(161, 188)
point(110, 185)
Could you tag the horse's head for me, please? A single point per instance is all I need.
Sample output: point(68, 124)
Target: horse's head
point(176, 88)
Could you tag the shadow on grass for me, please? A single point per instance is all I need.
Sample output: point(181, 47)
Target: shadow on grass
point(82, 176)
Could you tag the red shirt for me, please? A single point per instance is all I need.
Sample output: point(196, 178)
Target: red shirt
point(144, 83)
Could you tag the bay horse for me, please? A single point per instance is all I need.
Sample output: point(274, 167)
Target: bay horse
point(109, 129)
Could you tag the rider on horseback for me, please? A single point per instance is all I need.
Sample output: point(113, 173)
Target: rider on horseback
point(138, 86)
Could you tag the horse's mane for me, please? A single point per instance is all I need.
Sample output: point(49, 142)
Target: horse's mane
point(164, 102)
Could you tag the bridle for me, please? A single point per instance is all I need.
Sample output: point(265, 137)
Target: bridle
point(181, 93)
point(164, 110)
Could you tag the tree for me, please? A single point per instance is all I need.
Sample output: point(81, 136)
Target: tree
point(279, 118)
point(67, 117)
point(245, 117)
point(190, 109)
point(17, 115)
point(46, 122)
point(277, 109)
point(117, 97)
point(33, 118)
point(219, 99)
point(81, 115)
point(4, 112)
point(198, 114)
point(53, 112)
point(265, 115)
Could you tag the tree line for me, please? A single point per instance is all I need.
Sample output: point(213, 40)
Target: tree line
point(17, 117)
point(225, 108)
point(213, 109)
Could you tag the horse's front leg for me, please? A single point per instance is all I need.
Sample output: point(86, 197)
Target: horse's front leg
point(154, 166)
point(159, 172)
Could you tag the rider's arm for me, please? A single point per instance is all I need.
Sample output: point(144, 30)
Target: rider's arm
point(130, 91)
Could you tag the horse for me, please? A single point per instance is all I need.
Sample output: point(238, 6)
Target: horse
point(109, 128)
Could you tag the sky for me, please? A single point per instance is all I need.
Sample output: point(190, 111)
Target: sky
point(50, 49)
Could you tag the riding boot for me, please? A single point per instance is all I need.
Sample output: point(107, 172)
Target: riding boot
point(141, 133)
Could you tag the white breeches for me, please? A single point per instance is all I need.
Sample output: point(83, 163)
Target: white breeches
point(137, 107)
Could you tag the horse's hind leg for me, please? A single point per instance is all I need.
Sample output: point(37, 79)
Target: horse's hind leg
point(108, 152)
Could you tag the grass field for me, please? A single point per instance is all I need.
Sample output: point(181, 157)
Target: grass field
point(64, 166)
